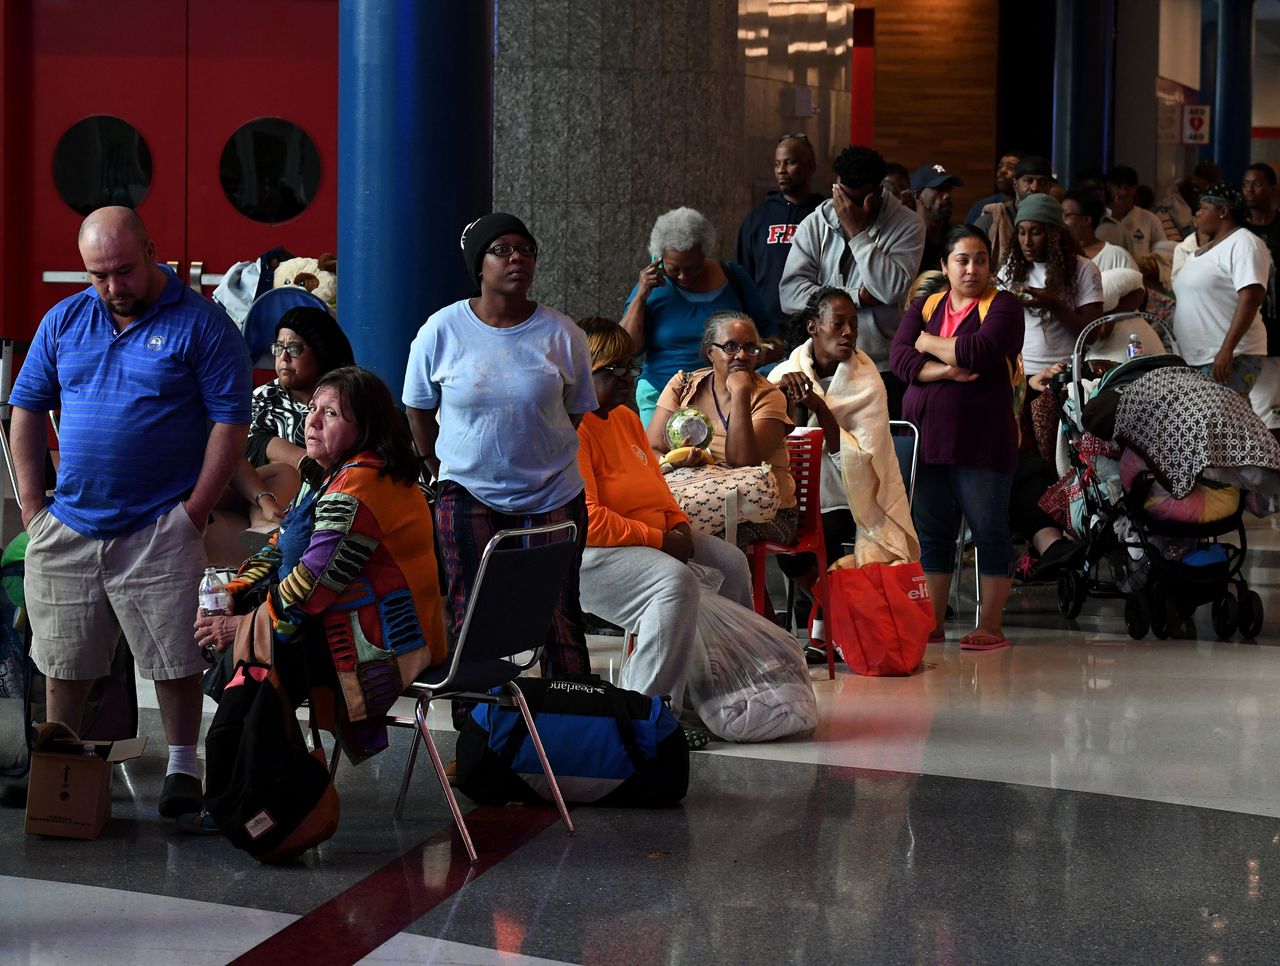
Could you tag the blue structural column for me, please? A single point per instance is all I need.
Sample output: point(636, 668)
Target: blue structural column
point(1083, 86)
point(1233, 88)
point(415, 96)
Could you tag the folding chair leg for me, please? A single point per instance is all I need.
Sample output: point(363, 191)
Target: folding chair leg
point(542, 755)
point(336, 757)
point(408, 772)
point(823, 600)
point(424, 703)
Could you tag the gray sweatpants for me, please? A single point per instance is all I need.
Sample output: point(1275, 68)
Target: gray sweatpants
point(652, 594)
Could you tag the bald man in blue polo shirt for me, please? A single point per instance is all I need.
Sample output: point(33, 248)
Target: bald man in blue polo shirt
point(154, 383)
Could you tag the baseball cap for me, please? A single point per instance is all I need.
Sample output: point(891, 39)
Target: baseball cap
point(932, 176)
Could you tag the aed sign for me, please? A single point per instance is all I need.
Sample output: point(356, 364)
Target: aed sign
point(1195, 123)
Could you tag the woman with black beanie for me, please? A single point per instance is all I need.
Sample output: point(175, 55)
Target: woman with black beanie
point(495, 388)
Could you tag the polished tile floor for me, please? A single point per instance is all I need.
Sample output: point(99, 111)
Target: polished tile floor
point(1077, 798)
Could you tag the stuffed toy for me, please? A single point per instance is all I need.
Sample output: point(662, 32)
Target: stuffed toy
point(317, 275)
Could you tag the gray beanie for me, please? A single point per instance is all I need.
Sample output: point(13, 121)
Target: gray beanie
point(1040, 208)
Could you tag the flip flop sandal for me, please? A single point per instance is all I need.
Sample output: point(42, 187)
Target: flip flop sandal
point(982, 641)
point(197, 823)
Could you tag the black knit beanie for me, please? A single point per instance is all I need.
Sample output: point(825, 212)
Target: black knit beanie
point(479, 235)
point(321, 332)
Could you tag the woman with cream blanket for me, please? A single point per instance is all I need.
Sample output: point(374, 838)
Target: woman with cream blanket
point(862, 485)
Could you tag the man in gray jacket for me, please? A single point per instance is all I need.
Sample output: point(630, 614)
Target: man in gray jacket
point(865, 242)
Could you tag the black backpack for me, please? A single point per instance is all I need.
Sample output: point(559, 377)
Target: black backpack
point(270, 796)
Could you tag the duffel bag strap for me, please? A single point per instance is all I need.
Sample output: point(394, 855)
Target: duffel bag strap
point(618, 704)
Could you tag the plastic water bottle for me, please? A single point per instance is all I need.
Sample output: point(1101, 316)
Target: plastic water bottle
point(1134, 348)
point(214, 601)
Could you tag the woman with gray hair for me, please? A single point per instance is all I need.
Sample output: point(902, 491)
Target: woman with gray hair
point(681, 287)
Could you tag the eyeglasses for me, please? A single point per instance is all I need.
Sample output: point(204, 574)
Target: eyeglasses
point(621, 372)
point(526, 249)
point(733, 348)
point(294, 349)
point(798, 136)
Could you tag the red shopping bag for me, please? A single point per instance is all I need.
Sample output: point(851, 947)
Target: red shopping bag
point(881, 616)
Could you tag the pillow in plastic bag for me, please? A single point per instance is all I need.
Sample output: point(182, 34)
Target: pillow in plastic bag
point(749, 680)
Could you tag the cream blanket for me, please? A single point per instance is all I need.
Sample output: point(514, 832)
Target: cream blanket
point(868, 462)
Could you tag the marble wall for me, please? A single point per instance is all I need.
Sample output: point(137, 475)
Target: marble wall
point(609, 112)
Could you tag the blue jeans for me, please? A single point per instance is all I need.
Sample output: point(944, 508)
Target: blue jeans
point(943, 493)
point(1244, 373)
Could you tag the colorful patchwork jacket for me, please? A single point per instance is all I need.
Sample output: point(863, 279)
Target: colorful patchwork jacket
point(367, 574)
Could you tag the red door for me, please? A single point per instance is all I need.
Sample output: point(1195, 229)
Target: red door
point(281, 78)
point(139, 102)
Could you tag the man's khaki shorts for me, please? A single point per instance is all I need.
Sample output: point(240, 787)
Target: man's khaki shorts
point(82, 592)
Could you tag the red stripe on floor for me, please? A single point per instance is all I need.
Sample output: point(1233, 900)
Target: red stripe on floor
point(354, 923)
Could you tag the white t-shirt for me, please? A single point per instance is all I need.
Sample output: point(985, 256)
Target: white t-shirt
point(1207, 289)
point(1048, 341)
point(1139, 231)
point(504, 397)
point(1113, 256)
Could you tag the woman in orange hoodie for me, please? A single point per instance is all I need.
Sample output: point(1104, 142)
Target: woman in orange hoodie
point(634, 571)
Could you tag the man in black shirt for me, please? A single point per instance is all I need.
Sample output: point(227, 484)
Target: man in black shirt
point(764, 240)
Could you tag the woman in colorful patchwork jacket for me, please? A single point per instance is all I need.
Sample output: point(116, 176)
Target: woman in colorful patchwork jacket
point(353, 563)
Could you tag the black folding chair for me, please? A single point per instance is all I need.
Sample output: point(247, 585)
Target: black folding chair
point(519, 581)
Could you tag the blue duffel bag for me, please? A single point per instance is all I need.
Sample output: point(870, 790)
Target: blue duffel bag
point(606, 746)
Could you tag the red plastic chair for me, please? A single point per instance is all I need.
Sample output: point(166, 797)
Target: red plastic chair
point(804, 447)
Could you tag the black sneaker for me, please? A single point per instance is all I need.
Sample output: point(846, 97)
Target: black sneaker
point(182, 795)
point(815, 656)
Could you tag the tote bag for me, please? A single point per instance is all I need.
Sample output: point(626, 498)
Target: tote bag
point(881, 616)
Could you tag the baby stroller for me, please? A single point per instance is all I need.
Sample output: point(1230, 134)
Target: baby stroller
point(1163, 569)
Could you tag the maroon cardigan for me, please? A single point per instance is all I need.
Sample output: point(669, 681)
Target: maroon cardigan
point(964, 423)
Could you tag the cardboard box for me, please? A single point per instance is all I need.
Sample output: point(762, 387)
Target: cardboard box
point(69, 791)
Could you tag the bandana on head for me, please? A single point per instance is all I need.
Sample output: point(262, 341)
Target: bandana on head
point(1225, 195)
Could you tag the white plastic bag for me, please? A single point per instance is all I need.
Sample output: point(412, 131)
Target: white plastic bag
point(749, 680)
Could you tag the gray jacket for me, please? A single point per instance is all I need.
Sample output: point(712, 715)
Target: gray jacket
point(883, 259)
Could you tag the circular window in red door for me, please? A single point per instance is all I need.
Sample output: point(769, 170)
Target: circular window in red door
point(270, 170)
point(101, 160)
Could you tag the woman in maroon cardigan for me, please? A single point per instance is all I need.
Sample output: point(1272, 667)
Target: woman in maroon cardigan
point(957, 351)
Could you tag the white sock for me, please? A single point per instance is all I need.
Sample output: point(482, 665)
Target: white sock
point(182, 761)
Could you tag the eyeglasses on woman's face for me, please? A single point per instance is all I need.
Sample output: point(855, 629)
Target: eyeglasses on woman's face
point(621, 372)
point(527, 249)
point(292, 349)
point(749, 349)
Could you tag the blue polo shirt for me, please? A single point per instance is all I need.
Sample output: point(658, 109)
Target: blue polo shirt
point(136, 405)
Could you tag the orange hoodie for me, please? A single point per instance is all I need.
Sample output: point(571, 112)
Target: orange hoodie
point(628, 502)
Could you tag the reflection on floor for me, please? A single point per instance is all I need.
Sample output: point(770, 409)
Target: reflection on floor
point(1079, 797)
